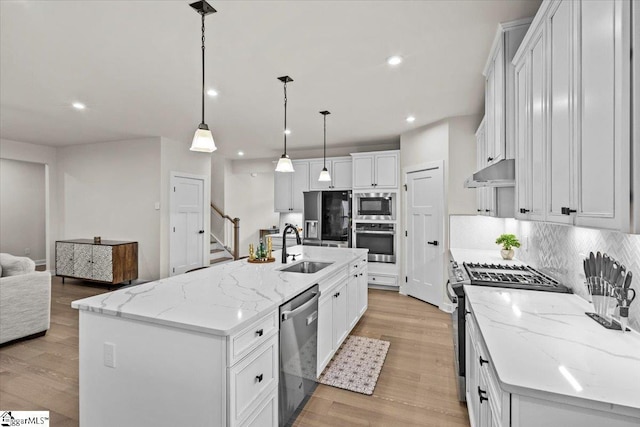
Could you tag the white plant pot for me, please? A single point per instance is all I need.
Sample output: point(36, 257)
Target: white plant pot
point(507, 254)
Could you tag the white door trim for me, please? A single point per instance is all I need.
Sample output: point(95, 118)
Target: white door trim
point(205, 213)
point(444, 306)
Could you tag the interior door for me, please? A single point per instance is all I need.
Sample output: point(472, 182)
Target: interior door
point(425, 257)
point(187, 224)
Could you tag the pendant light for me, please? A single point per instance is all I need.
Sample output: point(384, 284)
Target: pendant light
point(284, 164)
point(324, 174)
point(203, 139)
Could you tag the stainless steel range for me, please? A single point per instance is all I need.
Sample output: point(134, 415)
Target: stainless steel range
point(514, 276)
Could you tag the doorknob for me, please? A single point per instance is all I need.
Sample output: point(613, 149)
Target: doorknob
point(201, 232)
point(434, 243)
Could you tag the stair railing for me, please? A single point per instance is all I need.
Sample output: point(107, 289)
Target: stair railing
point(231, 226)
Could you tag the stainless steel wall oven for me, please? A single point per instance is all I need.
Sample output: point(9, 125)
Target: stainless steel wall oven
point(379, 238)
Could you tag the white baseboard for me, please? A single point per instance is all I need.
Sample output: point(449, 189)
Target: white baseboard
point(384, 288)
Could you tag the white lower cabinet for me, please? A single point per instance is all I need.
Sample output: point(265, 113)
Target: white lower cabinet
point(343, 301)
point(251, 379)
point(266, 414)
point(489, 404)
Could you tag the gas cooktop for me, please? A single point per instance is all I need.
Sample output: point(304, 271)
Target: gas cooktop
point(512, 276)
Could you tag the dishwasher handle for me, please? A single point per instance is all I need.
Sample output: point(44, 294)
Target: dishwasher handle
point(286, 315)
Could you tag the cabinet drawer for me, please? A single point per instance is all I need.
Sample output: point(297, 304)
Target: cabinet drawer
point(252, 379)
point(326, 285)
point(357, 264)
point(249, 338)
point(381, 279)
point(267, 413)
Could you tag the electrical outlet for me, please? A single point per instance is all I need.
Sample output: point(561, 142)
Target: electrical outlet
point(27, 251)
point(109, 354)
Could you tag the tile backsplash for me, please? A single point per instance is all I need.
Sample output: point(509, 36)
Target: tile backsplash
point(556, 249)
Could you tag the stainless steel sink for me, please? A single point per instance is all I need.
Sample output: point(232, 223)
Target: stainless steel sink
point(307, 267)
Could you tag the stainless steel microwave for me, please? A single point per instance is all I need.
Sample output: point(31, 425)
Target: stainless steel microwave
point(375, 206)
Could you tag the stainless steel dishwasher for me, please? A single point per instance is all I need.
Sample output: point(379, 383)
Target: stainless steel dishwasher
point(298, 353)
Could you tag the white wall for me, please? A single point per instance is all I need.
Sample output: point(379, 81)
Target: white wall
point(109, 190)
point(22, 211)
point(250, 199)
point(219, 165)
point(462, 163)
point(176, 157)
point(22, 151)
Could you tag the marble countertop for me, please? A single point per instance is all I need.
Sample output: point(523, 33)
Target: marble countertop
point(481, 255)
point(543, 341)
point(219, 300)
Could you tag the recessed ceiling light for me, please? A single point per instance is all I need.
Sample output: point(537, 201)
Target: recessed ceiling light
point(78, 106)
point(394, 60)
point(240, 153)
point(212, 92)
point(411, 119)
point(287, 131)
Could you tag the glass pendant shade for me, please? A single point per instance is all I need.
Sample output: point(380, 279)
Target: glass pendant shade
point(203, 140)
point(324, 175)
point(284, 164)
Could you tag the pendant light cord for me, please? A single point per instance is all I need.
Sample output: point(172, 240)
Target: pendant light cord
point(325, 141)
point(202, 67)
point(285, 118)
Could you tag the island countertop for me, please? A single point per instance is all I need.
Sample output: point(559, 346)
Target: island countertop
point(219, 300)
point(544, 342)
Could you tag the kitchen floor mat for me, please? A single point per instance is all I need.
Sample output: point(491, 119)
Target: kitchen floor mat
point(356, 365)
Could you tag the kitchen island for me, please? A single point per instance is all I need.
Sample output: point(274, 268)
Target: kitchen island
point(202, 348)
point(534, 358)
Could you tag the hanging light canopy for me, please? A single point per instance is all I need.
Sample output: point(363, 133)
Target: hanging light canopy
point(284, 164)
point(324, 174)
point(203, 139)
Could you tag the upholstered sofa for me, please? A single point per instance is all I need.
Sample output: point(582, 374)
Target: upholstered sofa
point(25, 299)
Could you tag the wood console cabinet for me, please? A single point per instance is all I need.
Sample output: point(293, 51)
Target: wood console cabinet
point(107, 262)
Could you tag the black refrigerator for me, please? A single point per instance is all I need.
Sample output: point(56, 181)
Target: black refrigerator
point(327, 218)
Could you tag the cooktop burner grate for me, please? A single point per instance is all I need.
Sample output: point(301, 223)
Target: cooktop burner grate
point(509, 275)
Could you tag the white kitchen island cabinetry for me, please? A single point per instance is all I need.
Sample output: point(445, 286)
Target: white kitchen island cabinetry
point(376, 170)
point(535, 359)
point(573, 74)
point(289, 188)
point(343, 301)
point(199, 348)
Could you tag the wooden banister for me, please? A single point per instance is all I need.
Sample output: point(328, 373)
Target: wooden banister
point(236, 230)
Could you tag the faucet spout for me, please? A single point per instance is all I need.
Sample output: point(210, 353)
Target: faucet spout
point(287, 228)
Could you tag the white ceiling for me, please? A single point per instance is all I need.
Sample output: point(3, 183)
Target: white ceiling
point(136, 64)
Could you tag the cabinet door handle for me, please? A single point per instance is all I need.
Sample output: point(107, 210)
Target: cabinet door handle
point(201, 232)
point(479, 210)
point(355, 275)
point(259, 378)
point(259, 332)
point(467, 312)
point(524, 211)
point(567, 211)
point(483, 361)
point(361, 274)
point(481, 394)
point(487, 210)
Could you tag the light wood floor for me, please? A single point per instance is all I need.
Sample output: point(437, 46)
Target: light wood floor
point(416, 386)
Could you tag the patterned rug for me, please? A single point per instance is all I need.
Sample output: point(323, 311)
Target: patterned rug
point(356, 365)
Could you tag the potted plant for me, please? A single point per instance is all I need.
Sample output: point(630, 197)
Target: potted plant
point(508, 242)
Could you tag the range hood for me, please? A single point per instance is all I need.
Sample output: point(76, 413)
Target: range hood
point(501, 174)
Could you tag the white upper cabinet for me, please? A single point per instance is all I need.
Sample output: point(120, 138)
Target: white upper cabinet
point(576, 64)
point(561, 101)
point(499, 92)
point(289, 188)
point(377, 170)
point(339, 169)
